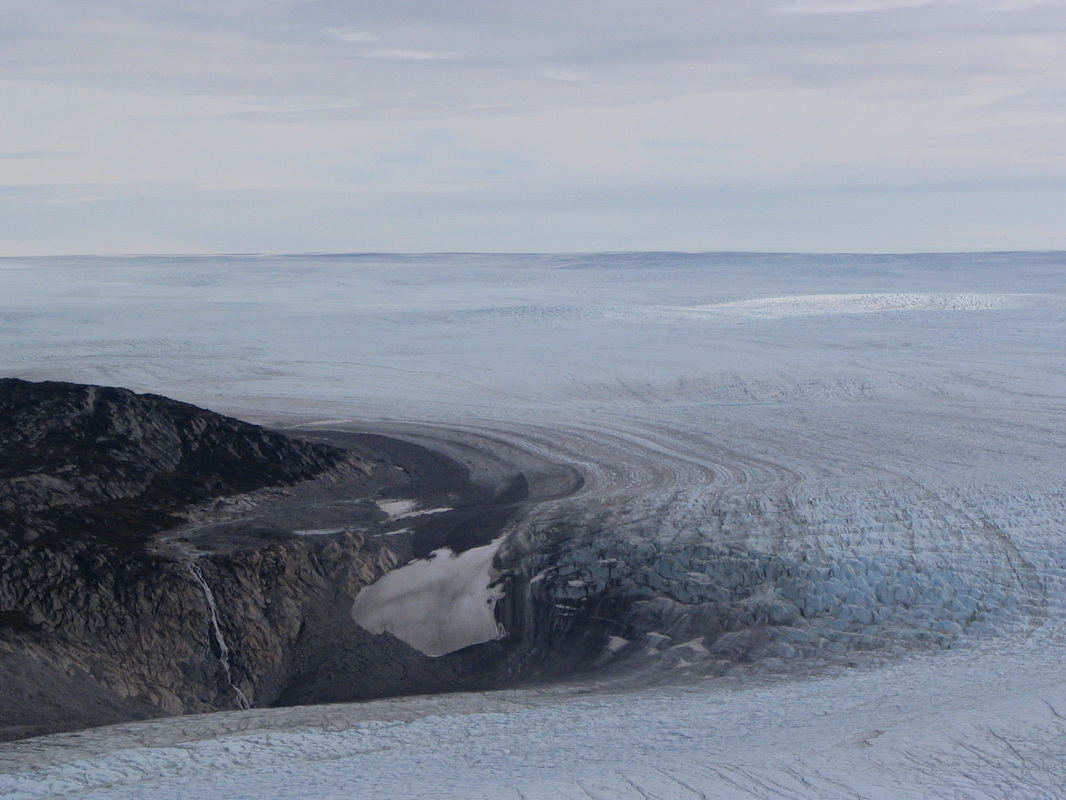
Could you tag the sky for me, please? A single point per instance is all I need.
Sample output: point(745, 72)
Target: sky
point(203, 126)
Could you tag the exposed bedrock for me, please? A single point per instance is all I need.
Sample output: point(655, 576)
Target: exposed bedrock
point(156, 558)
point(92, 461)
point(136, 631)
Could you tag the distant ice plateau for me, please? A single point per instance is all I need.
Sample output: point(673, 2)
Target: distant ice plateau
point(811, 304)
point(825, 496)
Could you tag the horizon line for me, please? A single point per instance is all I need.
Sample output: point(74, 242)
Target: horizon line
point(534, 253)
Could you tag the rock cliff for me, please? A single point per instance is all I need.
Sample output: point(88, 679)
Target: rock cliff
point(107, 463)
point(132, 583)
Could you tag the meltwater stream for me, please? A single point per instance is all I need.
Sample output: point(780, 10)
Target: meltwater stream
point(216, 629)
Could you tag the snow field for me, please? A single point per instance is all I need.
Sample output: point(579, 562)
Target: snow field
point(863, 457)
point(876, 733)
point(816, 304)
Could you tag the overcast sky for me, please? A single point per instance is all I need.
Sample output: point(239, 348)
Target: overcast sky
point(161, 126)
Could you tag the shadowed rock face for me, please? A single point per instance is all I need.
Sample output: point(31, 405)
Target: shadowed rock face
point(107, 613)
point(95, 626)
point(89, 460)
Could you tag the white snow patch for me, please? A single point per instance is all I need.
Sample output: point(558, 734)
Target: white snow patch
point(318, 531)
point(396, 508)
point(437, 605)
point(867, 303)
point(404, 509)
point(396, 532)
point(424, 511)
point(696, 645)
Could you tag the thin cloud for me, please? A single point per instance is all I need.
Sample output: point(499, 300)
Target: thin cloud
point(565, 75)
point(409, 55)
point(586, 107)
point(852, 6)
point(34, 155)
point(493, 54)
point(354, 37)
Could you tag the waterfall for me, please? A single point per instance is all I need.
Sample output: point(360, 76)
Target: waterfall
point(223, 649)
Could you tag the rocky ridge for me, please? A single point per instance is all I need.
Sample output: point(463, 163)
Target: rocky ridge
point(140, 574)
point(89, 460)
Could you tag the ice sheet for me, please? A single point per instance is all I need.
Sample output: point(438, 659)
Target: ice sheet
point(892, 426)
point(974, 725)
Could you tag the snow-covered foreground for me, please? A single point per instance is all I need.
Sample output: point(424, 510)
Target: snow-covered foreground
point(869, 452)
point(978, 724)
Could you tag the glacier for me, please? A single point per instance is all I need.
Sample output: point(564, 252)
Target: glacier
point(830, 491)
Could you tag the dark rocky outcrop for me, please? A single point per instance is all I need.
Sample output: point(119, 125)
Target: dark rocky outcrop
point(150, 566)
point(118, 466)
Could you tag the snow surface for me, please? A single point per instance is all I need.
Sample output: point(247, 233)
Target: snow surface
point(887, 432)
point(397, 509)
point(975, 724)
point(405, 509)
point(811, 304)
